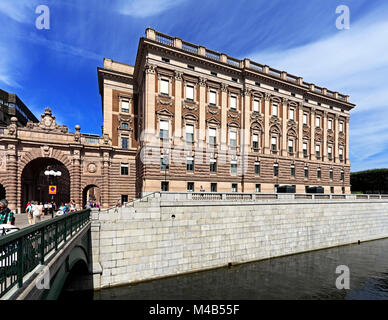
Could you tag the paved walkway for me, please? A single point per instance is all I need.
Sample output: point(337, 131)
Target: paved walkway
point(21, 220)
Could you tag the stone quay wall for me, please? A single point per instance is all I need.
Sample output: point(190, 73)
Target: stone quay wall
point(155, 238)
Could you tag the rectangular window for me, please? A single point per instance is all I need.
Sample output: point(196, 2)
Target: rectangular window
point(212, 136)
point(274, 144)
point(330, 124)
point(290, 146)
point(255, 141)
point(124, 169)
point(124, 198)
point(304, 149)
point(190, 164)
point(257, 167)
point(234, 187)
point(331, 174)
point(342, 175)
point(258, 187)
point(329, 153)
point(233, 102)
point(213, 98)
point(292, 114)
point(233, 167)
point(292, 170)
point(306, 172)
point(125, 106)
point(163, 129)
point(341, 127)
point(317, 151)
point(164, 87)
point(164, 163)
point(275, 109)
point(317, 122)
point(275, 170)
point(331, 189)
point(341, 154)
point(319, 173)
point(189, 133)
point(233, 139)
point(256, 105)
point(190, 186)
point(164, 186)
point(190, 93)
point(304, 118)
point(213, 165)
point(124, 143)
point(213, 187)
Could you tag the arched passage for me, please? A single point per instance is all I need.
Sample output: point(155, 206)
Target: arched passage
point(3, 193)
point(35, 184)
point(91, 193)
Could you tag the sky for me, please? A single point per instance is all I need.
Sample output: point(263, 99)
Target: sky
point(57, 67)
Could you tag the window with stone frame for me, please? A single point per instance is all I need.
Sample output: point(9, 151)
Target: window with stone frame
point(233, 167)
point(190, 92)
point(255, 141)
point(292, 114)
point(124, 169)
point(331, 174)
point(163, 129)
point(124, 142)
point(305, 154)
point(317, 122)
point(306, 172)
point(330, 124)
point(317, 151)
point(274, 143)
point(276, 170)
point(189, 133)
point(233, 102)
point(341, 154)
point(257, 168)
point(190, 164)
point(212, 136)
point(165, 87)
point(125, 106)
point(212, 98)
point(275, 109)
point(290, 145)
point(330, 153)
point(319, 173)
point(256, 105)
point(213, 165)
point(232, 139)
point(305, 118)
point(292, 170)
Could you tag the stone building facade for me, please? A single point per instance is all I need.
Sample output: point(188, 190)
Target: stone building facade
point(185, 118)
point(202, 120)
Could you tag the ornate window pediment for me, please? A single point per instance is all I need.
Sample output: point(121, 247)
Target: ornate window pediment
point(190, 116)
point(165, 113)
point(233, 124)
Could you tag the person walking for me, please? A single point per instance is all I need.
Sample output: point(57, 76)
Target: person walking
point(6, 215)
point(37, 213)
point(29, 212)
point(45, 208)
point(50, 209)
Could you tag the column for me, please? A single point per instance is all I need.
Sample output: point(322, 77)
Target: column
point(75, 184)
point(150, 90)
point(335, 151)
point(11, 190)
point(312, 133)
point(300, 130)
point(105, 199)
point(202, 113)
point(224, 114)
point(246, 132)
point(284, 128)
point(178, 107)
point(267, 146)
point(347, 140)
point(324, 139)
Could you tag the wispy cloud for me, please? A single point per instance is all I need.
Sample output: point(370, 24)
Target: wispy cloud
point(18, 10)
point(146, 8)
point(351, 62)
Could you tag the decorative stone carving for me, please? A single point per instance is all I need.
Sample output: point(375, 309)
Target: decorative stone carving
point(165, 101)
point(46, 151)
point(267, 96)
point(247, 92)
point(274, 121)
point(202, 82)
point(224, 87)
point(150, 68)
point(233, 115)
point(178, 75)
point(191, 108)
point(92, 167)
point(212, 110)
point(255, 116)
point(106, 139)
point(291, 124)
point(3, 162)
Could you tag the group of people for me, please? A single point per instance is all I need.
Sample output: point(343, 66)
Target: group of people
point(6, 215)
point(36, 210)
point(92, 204)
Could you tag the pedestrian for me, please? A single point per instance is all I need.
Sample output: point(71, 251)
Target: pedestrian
point(29, 212)
point(202, 189)
point(50, 209)
point(6, 215)
point(37, 212)
point(45, 208)
point(118, 205)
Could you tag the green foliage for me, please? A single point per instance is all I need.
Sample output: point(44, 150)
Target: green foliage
point(370, 181)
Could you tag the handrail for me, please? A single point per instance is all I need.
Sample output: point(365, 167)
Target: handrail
point(22, 251)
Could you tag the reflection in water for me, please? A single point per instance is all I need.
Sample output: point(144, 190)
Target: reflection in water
point(303, 276)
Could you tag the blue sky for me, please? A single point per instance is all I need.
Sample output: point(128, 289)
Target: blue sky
point(58, 67)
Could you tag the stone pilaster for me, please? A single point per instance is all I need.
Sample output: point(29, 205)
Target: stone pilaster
point(267, 115)
point(178, 107)
point(150, 100)
point(202, 113)
point(12, 173)
point(324, 137)
point(336, 129)
point(284, 128)
point(312, 138)
point(246, 132)
point(224, 112)
point(105, 198)
point(300, 131)
point(75, 183)
point(347, 126)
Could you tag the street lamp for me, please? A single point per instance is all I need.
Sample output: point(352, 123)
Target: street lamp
point(51, 175)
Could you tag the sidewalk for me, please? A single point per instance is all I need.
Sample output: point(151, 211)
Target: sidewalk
point(21, 220)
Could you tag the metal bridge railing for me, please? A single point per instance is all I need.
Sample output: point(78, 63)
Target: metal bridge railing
point(22, 251)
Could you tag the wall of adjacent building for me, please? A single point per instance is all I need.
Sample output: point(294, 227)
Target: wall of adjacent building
point(154, 239)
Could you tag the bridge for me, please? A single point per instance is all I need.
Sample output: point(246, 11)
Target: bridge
point(36, 261)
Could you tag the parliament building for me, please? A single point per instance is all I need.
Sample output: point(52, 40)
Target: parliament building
point(186, 118)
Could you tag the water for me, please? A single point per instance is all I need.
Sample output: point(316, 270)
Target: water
point(302, 276)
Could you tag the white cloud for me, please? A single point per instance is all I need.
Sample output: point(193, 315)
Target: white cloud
point(18, 10)
point(146, 8)
point(353, 62)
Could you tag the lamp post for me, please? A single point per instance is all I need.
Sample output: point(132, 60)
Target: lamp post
point(165, 164)
point(51, 177)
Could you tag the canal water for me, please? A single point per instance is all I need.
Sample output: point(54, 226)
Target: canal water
point(310, 275)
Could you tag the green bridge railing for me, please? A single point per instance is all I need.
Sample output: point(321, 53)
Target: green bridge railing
point(22, 251)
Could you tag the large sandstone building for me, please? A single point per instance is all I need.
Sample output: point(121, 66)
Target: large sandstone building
point(187, 118)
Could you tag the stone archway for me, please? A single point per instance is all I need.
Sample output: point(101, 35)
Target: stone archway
point(35, 185)
point(91, 192)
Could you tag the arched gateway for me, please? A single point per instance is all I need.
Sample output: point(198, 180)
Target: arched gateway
point(83, 160)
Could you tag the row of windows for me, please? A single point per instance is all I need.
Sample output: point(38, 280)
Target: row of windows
point(164, 186)
point(164, 90)
point(164, 165)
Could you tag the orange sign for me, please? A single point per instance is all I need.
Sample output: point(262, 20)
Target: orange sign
point(52, 189)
